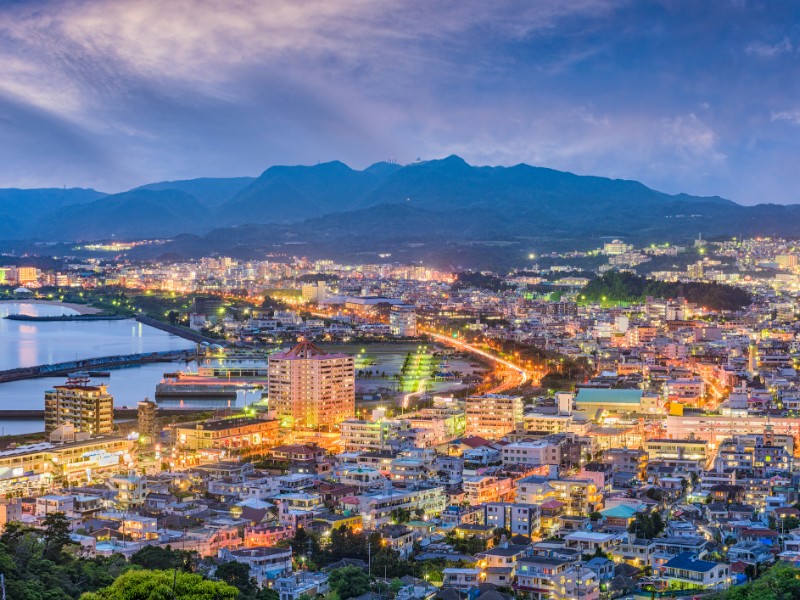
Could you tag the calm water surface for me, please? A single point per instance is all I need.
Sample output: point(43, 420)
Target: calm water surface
point(25, 344)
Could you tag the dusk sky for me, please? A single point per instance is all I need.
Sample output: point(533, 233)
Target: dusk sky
point(697, 96)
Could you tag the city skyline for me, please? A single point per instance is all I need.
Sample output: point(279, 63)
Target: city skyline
point(116, 94)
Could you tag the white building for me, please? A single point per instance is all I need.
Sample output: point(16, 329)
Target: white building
point(540, 452)
point(403, 321)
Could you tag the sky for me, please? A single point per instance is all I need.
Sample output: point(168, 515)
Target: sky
point(697, 97)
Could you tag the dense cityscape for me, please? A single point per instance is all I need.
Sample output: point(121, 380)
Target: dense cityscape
point(357, 300)
point(555, 431)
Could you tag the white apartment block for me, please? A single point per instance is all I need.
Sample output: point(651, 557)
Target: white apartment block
point(539, 452)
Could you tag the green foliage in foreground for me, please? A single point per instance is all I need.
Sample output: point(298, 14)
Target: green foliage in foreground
point(781, 582)
point(47, 566)
point(163, 585)
point(348, 582)
point(615, 286)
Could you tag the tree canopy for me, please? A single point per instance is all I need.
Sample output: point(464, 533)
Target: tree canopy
point(781, 582)
point(159, 585)
point(616, 286)
point(348, 582)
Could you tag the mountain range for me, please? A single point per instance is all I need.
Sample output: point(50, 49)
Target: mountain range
point(383, 207)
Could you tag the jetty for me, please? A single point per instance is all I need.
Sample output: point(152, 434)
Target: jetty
point(86, 317)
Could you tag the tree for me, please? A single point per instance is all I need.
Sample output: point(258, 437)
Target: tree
point(159, 585)
point(647, 525)
point(56, 535)
point(270, 594)
point(238, 575)
point(156, 557)
point(781, 582)
point(401, 515)
point(348, 582)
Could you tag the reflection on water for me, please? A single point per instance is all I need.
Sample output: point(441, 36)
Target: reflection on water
point(28, 344)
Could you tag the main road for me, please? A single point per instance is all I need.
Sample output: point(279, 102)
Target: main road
point(514, 375)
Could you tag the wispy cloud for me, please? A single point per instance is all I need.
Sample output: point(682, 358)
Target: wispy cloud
point(793, 116)
point(765, 50)
point(147, 89)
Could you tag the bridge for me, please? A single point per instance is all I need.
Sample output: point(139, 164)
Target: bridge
point(121, 360)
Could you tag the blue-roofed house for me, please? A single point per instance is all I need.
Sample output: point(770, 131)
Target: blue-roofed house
point(686, 571)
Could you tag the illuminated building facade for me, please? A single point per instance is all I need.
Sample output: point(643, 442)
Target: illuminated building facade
point(493, 415)
point(89, 408)
point(311, 389)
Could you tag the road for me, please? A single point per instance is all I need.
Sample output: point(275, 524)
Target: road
point(514, 375)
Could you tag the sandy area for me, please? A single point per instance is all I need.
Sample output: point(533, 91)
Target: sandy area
point(81, 309)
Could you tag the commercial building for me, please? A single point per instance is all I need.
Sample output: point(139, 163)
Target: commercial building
point(590, 400)
point(311, 389)
point(89, 408)
point(43, 466)
point(230, 434)
point(493, 415)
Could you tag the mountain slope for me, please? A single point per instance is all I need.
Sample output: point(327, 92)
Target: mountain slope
point(290, 193)
point(443, 201)
point(20, 208)
point(208, 190)
point(135, 214)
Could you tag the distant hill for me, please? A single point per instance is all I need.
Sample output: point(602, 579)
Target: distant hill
point(210, 191)
point(135, 214)
point(439, 208)
point(19, 209)
point(283, 194)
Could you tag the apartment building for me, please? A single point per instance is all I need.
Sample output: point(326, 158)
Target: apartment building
point(311, 389)
point(89, 408)
point(493, 415)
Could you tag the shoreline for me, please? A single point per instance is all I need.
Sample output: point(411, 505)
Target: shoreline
point(81, 309)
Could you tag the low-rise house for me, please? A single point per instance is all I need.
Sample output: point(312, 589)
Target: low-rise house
point(266, 564)
point(460, 579)
point(399, 538)
point(668, 547)
point(302, 583)
point(686, 571)
point(499, 563)
point(751, 553)
point(590, 542)
point(602, 567)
